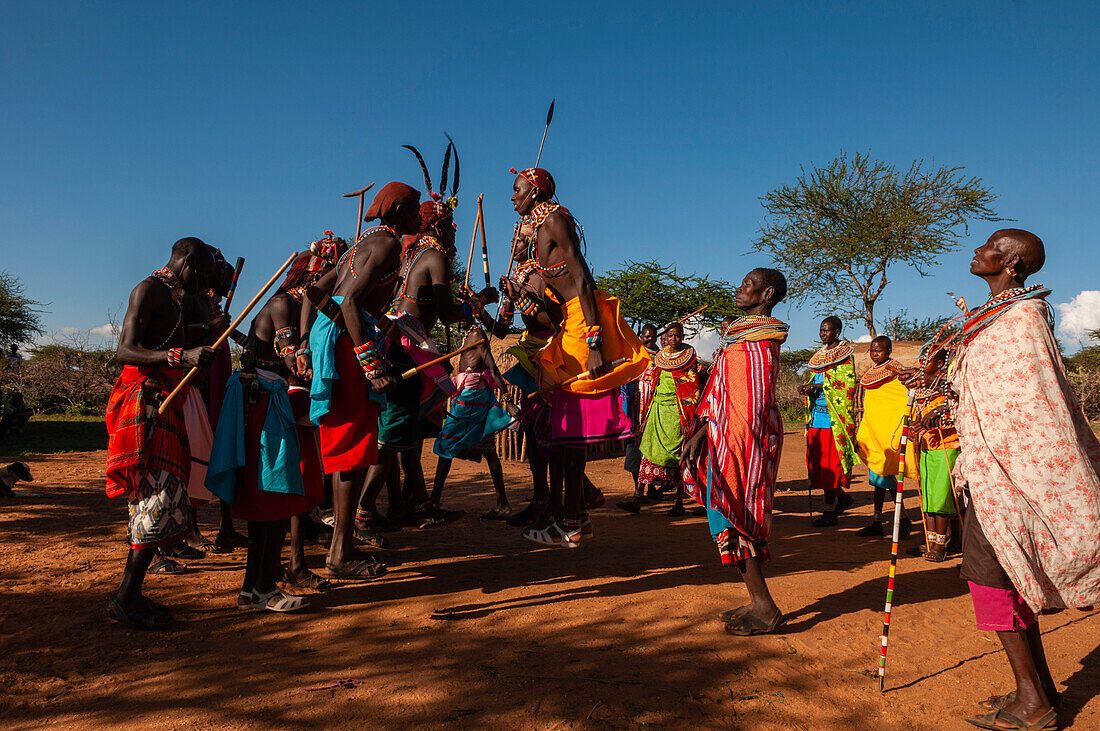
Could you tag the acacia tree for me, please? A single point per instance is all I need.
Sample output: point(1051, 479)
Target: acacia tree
point(19, 315)
point(838, 229)
point(653, 292)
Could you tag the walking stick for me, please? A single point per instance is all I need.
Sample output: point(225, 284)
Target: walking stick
point(484, 244)
point(225, 335)
point(359, 223)
point(473, 239)
point(233, 285)
point(894, 545)
point(435, 361)
point(682, 320)
point(587, 374)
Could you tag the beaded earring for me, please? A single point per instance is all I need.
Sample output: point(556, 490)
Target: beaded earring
point(1011, 272)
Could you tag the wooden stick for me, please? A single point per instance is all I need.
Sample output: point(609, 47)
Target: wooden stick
point(898, 512)
point(484, 245)
point(436, 361)
point(359, 224)
point(225, 335)
point(473, 238)
point(233, 286)
point(587, 374)
point(683, 319)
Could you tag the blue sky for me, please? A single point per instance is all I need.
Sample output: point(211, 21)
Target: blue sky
point(129, 125)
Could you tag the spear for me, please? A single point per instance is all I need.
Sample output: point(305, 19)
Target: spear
point(606, 367)
point(225, 335)
point(359, 223)
point(233, 285)
point(549, 116)
point(894, 545)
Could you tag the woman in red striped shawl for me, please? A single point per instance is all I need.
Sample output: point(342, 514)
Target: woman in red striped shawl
point(732, 458)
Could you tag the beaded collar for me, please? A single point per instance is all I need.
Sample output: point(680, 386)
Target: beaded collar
point(984, 316)
point(423, 244)
point(536, 218)
point(351, 252)
point(824, 358)
point(880, 374)
point(754, 328)
point(170, 280)
point(667, 360)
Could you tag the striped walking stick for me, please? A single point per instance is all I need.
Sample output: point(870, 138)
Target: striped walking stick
point(894, 544)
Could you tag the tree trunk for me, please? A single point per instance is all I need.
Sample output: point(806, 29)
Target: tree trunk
point(869, 318)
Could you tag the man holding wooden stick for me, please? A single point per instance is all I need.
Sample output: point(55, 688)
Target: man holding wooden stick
point(148, 458)
point(344, 357)
point(423, 299)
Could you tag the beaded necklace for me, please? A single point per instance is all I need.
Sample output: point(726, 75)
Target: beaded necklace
point(825, 358)
point(984, 316)
point(536, 218)
point(369, 231)
point(880, 374)
point(175, 287)
point(422, 245)
point(668, 360)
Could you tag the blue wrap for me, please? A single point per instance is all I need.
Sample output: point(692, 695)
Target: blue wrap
point(474, 415)
point(322, 344)
point(518, 376)
point(280, 469)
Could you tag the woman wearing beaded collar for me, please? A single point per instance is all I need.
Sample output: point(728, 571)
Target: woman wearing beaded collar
point(668, 407)
point(1031, 467)
point(830, 425)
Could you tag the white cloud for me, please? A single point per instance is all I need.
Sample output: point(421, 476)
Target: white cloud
point(1078, 316)
point(69, 330)
point(104, 331)
point(704, 342)
point(864, 338)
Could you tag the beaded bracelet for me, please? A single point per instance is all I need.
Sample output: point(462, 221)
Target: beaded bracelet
point(593, 338)
point(368, 360)
point(290, 349)
point(175, 356)
point(527, 305)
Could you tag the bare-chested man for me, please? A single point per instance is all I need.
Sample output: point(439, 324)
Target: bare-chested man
point(592, 333)
point(423, 298)
point(148, 459)
point(347, 366)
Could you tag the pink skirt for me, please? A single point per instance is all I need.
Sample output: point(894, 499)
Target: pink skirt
point(577, 420)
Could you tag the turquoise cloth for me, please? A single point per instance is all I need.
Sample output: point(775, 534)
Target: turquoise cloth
point(517, 375)
point(715, 520)
point(322, 344)
point(280, 460)
point(819, 414)
point(474, 415)
point(889, 483)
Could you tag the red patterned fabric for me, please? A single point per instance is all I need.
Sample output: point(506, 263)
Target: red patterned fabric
point(744, 437)
point(138, 443)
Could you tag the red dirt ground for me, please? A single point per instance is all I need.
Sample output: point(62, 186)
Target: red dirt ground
point(474, 626)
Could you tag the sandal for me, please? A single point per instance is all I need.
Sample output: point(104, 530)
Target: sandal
point(1049, 720)
point(528, 515)
point(236, 540)
point(369, 537)
point(553, 535)
point(147, 619)
point(370, 568)
point(283, 602)
point(730, 614)
point(166, 567)
point(201, 543)
point(749, 625)
point(306, 580)
point(245, 601)
point(182, 551)
point(997, 702)
point(497, 514)
point(633, 505)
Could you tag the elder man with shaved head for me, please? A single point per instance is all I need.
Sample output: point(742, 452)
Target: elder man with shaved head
point(1030, 468)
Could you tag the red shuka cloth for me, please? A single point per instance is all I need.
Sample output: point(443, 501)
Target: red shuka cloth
point(349, 431)
point(137, 443)
point(251, 503)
